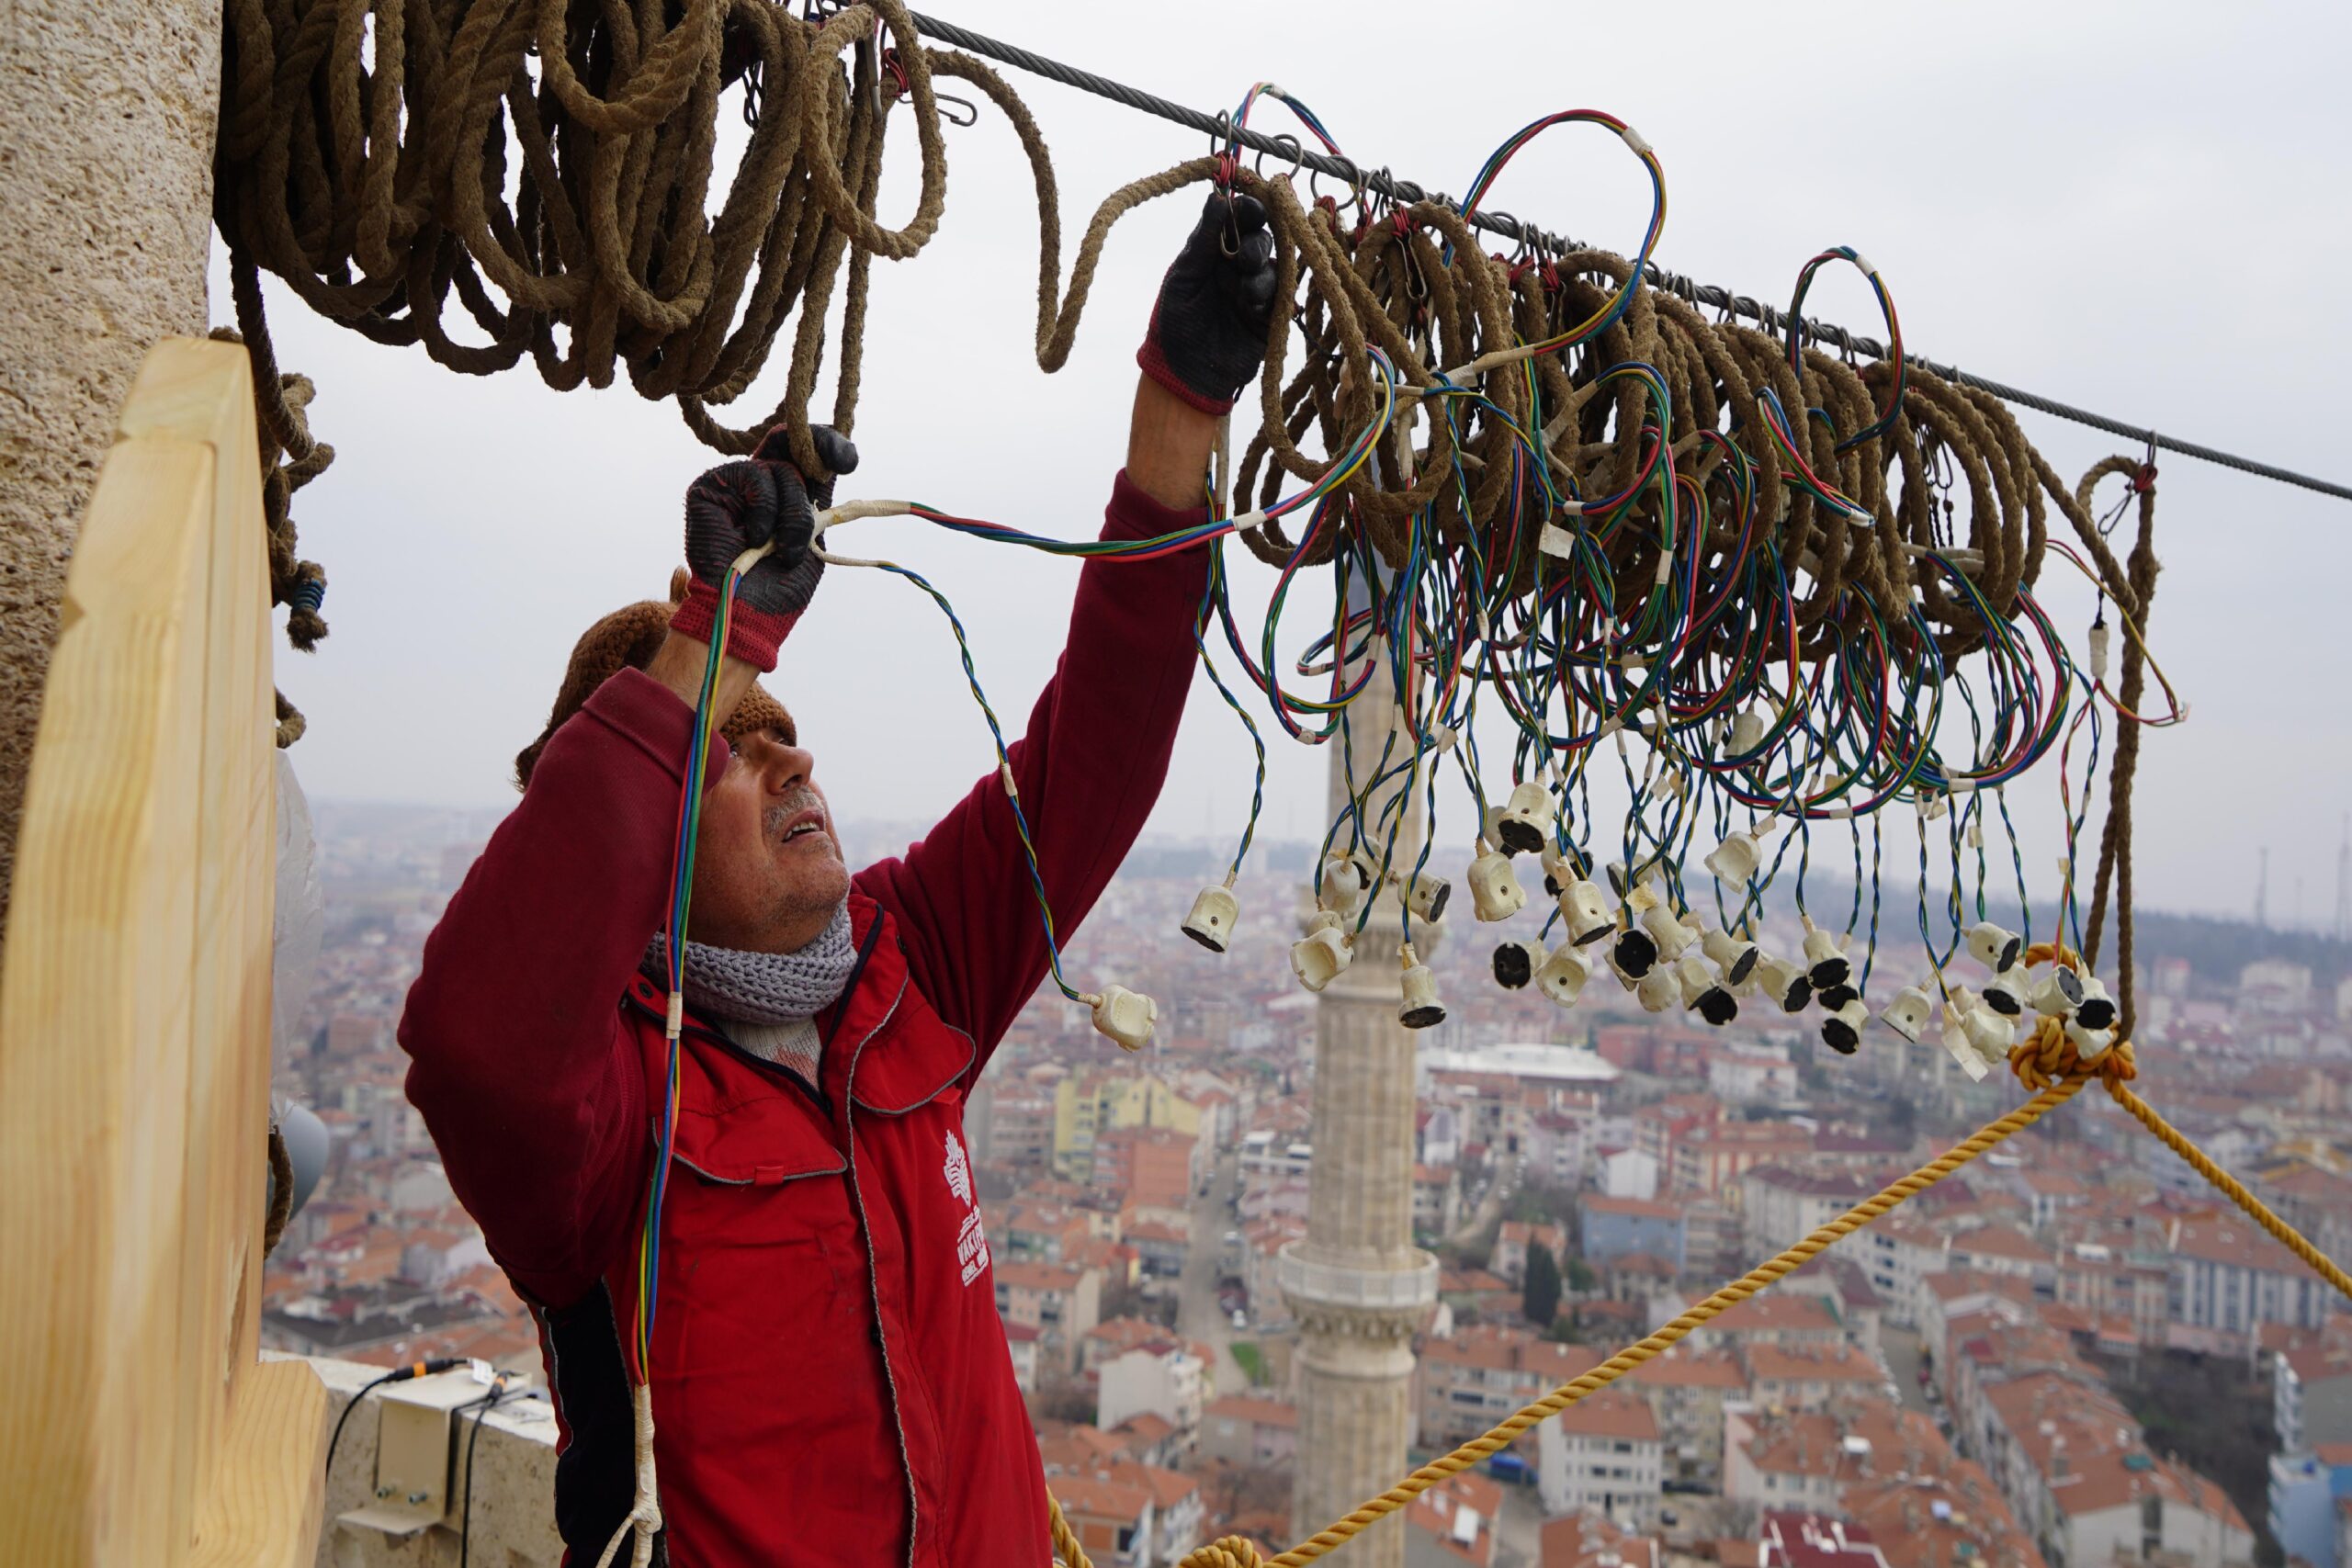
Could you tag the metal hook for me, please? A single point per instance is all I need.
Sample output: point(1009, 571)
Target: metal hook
point(1284, 143)
point(1221, 134)
point(1497, 218)
point(971, 115)
point(1354, 179)
point(755, 92)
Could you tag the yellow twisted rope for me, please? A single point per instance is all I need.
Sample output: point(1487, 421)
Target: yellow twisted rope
point(2047, 1061)
point(2257, 1210)
point(2047, 1057)
point(1230, 1551)
point(1223, 1553)
point(1632, 1356)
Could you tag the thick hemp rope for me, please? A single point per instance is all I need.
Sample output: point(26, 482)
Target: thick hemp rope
point(555, 166)
point(290, 459)
point(367, 151)
point(281, 1192)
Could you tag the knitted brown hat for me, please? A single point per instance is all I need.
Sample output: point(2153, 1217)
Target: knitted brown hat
point(630, 637)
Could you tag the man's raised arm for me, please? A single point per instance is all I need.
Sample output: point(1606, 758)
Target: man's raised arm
point(1091, 763)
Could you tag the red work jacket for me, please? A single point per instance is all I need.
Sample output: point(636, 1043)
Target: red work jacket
point(831, 1382)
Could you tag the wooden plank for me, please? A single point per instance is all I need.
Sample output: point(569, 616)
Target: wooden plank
point(264, 1507)
point(134, 1008)
point(178, 396)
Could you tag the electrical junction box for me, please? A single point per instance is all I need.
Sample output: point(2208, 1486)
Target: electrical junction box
point(416, 1452)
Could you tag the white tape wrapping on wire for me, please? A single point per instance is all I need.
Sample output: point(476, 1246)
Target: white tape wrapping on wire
point(644, 1519)
point(854, 512)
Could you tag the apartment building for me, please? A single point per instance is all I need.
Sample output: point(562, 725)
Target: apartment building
point(1687, 1391)
point(1467, 1383)
point(1810, 1377)
point(1248, 1429)
point(1060, 1304)
point(1602, 1453)
point(2229, 1278)
point(1618, 1227)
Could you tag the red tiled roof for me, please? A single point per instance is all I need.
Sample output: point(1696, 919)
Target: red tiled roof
point(1611, 1413)
point(1634, 1208)
point(1257, 1411)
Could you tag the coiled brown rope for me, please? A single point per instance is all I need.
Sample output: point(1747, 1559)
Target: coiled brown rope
point(2134, 599)
point(552, 163)
point(281, 1192)
point(290, 458)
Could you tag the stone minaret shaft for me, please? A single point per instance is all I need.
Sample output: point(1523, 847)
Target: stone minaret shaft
point(1357, 1286)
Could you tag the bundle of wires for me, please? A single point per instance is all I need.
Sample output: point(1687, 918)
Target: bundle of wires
point(1660, 592)
point(1609, 313)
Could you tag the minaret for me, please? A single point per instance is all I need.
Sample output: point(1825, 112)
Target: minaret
point(1357, 1286)
point(2344, 884)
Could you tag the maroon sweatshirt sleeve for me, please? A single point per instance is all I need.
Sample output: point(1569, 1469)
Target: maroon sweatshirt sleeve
point(1089, 768)
point(518, 1059)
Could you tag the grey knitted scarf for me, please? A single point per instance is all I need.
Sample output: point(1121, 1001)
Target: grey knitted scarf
point(764, 988)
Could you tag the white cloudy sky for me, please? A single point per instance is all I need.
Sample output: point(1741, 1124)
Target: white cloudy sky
point(2135, 207)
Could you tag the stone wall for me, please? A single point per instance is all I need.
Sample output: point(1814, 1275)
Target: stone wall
point(106, 215)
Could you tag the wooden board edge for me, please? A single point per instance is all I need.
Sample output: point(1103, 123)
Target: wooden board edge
point(267, 1493)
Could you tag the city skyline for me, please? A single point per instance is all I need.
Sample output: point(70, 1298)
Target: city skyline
point(1138, 1211)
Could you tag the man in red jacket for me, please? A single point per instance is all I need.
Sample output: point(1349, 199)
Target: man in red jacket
point(829, 1378)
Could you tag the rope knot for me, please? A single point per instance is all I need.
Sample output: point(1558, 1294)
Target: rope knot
point(1232, 1551)
point(2048, 1056)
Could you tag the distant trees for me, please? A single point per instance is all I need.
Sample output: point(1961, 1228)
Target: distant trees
point(1581, 1277)
point(1539, 1299)
point(1902, 1117)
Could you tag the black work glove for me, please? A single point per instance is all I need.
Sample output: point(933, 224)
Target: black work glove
point(1209, 331)
point(738, 505)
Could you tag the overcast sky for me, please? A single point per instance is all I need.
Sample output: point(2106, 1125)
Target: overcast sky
point(2139, 209)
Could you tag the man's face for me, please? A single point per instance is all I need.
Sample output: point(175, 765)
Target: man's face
point(768, 872)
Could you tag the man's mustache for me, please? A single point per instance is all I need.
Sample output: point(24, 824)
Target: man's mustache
point(793, 802)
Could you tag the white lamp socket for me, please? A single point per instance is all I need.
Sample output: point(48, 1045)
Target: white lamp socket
point(1126, 1016)
point(1495, 891)
point(1564, 974)
point(1215, 914)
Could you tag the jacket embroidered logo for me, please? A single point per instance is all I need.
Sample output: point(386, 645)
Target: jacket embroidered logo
point(959, 1171)
point(971, 1241)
